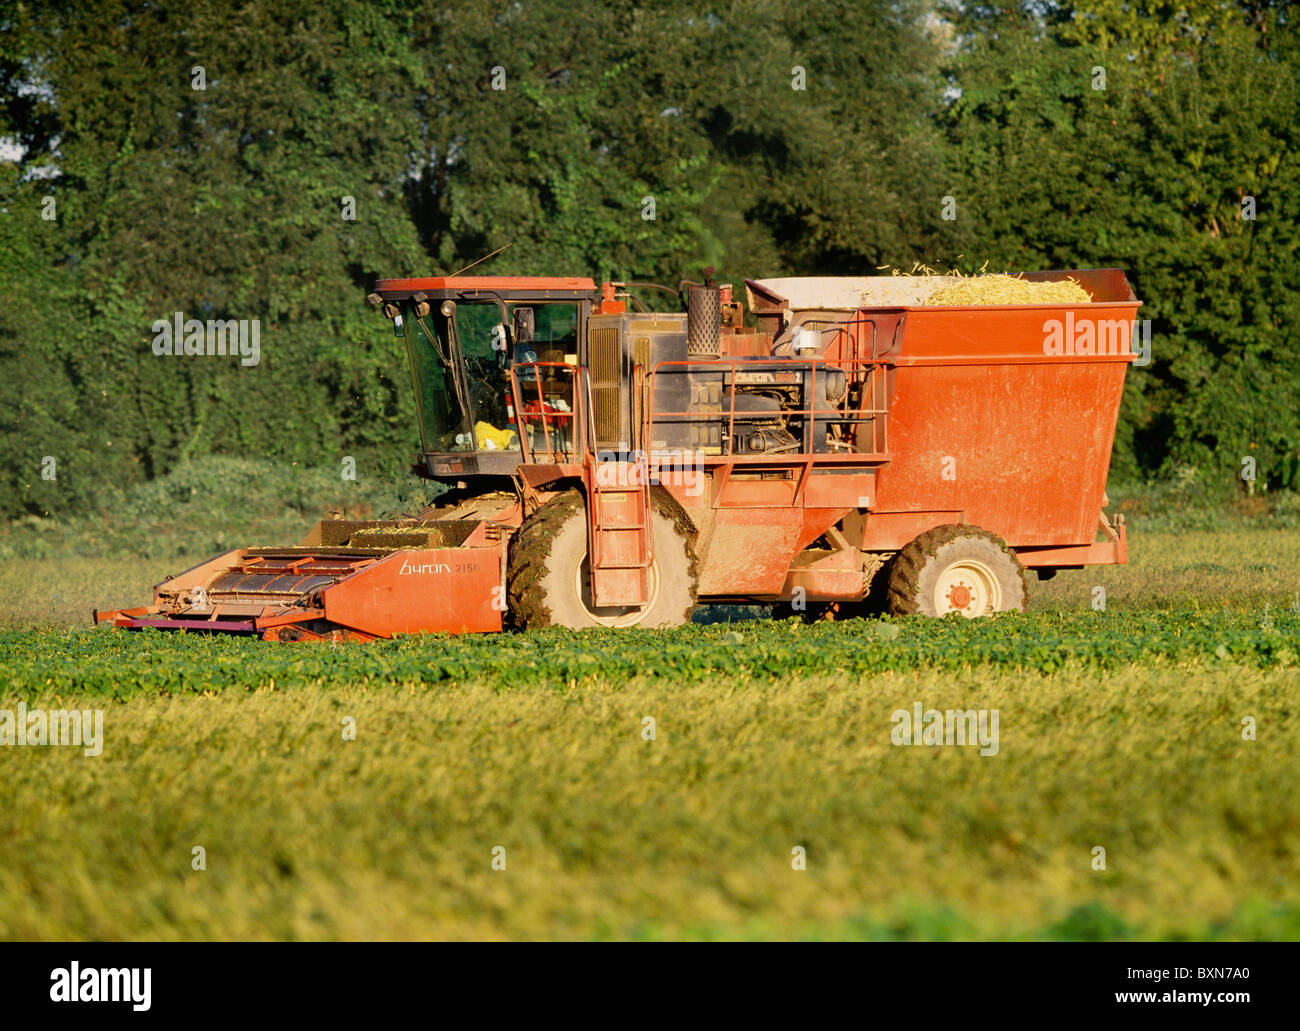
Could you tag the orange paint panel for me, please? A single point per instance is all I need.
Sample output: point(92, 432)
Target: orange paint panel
point(417, 590)
point(825, 584)
point(1005, 331)
point(839, 491)
point(891, 531)
point(742, 493)
point(502, 283)
point(750, 550)
point(1108, 552)
point(1022, 450)
point(816, 521)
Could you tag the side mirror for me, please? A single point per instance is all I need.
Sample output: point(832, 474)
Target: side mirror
point(524, 325)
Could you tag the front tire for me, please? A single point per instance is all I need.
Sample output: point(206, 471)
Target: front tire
point(547, 582)
point(959, 569)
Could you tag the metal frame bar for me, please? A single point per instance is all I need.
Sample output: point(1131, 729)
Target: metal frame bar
point(810, 415)
point(581, 432)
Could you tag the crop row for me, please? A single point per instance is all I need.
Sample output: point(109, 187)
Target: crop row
point(120, 664)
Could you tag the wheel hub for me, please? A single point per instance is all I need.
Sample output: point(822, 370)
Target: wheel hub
point(969, 587)
point(615, 615)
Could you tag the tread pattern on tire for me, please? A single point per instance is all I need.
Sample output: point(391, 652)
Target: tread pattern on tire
point(903, 595)
point(668, 506)
point(530, 547)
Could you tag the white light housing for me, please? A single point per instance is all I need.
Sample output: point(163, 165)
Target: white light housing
point(806, 339)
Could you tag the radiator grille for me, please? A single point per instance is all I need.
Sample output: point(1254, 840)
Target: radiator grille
point(605, 384)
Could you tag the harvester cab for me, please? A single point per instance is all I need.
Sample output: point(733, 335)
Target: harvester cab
point(853, 443)
point(468, 339)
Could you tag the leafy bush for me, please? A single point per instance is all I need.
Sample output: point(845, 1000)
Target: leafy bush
point(213, 504)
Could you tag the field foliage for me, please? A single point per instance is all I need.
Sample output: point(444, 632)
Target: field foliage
point(1124, 729)
point(119, 665)
point(688, 834)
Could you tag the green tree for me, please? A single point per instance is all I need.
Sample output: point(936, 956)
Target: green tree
point(200, 157)
point(1158, 172)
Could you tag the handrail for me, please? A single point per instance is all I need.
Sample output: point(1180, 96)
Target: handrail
point(867, 412)
point(576, 408)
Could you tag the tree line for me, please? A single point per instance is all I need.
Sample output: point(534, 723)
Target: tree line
point(237, 161)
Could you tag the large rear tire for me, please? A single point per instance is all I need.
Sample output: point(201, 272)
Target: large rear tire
point(959, 569)
point(547, 582)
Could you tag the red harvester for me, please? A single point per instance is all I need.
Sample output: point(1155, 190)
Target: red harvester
point(613, 467)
